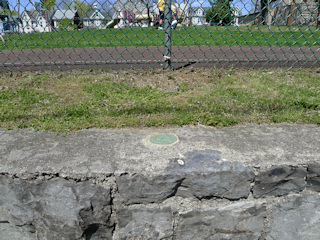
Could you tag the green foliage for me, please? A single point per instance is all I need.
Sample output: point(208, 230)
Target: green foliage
point(8, 12)
point(82, 7)
point(66, 24)
point(220, 12)
point(48, 4)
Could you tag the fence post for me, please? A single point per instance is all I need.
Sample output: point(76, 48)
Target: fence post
point(167, 33)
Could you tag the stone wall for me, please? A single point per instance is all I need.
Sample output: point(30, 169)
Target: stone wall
point(211, 199)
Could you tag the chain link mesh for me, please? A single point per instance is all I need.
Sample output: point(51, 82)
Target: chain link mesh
point(169, 33)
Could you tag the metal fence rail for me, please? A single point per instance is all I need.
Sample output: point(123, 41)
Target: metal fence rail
point(65, 34)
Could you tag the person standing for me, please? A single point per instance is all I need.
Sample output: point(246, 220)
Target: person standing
point(161, 10)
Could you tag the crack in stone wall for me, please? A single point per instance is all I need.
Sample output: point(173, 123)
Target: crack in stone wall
point(168, 206)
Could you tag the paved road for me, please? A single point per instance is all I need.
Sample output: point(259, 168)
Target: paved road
point(152, 57)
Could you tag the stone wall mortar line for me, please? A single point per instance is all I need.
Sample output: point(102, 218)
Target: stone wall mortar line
point(102, 178)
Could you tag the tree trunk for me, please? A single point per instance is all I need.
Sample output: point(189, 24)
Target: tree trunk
point(148, 12)
point(318, 15)
point(293, 6)
point(264, 11)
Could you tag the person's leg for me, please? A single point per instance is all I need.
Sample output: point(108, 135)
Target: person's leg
point(174, 22)
point(161, 20)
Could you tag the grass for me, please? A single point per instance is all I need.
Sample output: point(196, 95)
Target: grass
point(66, 101)
point(204, 35)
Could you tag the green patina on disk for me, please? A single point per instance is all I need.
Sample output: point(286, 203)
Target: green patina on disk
point(163, 139)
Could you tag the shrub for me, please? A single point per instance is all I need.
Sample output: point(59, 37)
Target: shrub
point(66, 24)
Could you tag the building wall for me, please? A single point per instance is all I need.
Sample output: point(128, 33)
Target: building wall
point(26, 26)
point(303, 14)
point(300, 14)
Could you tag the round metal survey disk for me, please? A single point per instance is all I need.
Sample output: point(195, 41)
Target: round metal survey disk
point(163, 139)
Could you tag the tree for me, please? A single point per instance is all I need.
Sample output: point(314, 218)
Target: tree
point(8, 12)
point(48, 4)
point(128, 5)
point(254, 6)
point(261, 6)
point(81, 6)
point(105, 5)
point(134, 5)
point(264, 8)
point(264, 11)
point(66, 24)
point(220, 12)
point(147, 5)
point(4, 4)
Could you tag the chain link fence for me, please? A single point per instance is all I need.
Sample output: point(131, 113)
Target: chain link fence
point(158, 33)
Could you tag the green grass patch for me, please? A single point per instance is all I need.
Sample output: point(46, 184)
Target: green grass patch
point(185, 36)
point(66, 101)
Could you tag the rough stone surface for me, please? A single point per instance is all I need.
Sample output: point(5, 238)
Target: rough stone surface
point(55, 209)
point(279, 181)
point(145, 223)
point(137, 188)
point(206, 175)
point(12, 232)
point(243, 220)
point(203, 174)
point(295, 217)
point(313, 177)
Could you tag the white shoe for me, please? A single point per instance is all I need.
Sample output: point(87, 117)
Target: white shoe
point(160, 28)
